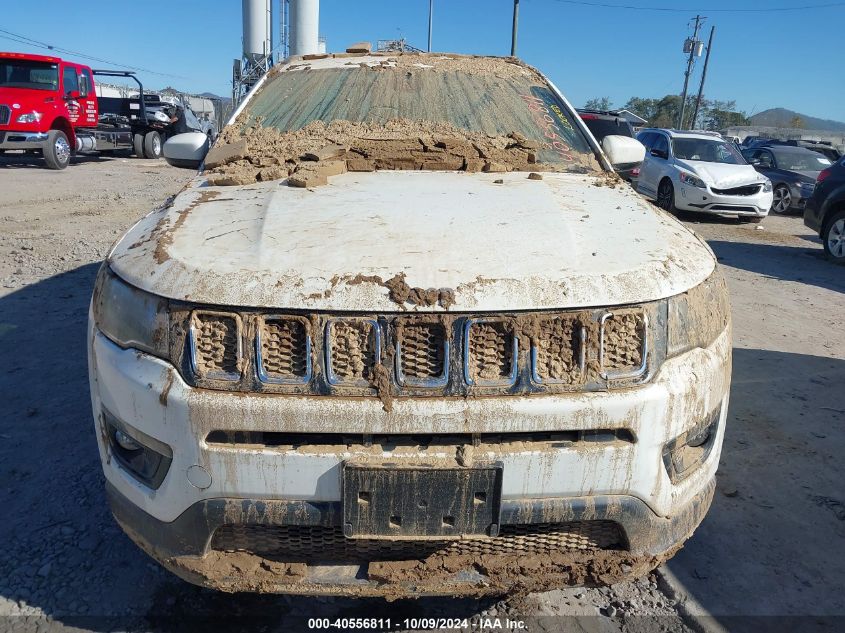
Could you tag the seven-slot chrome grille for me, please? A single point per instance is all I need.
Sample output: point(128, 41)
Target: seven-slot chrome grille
point(419, 354)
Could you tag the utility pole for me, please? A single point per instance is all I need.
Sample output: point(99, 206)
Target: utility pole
point(515, 23)
point(430, 18)
point(690, 61)
point(703, 76)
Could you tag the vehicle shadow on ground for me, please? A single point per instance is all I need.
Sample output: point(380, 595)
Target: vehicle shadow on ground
point(778, 261)
point(63, 552)
point(766, 546)
point(20, 160)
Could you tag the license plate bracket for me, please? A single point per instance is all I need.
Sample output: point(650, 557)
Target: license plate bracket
point(412, 502)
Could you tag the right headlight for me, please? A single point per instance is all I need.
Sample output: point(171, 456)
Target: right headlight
point(698, 316)
point(130, 317)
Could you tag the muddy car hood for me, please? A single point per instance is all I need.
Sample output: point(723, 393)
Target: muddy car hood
point(563, 241)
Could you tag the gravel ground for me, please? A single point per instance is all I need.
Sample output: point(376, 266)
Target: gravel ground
point(771, 545)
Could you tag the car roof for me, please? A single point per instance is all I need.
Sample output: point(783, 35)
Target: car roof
point(686, 133)
point(786, 149)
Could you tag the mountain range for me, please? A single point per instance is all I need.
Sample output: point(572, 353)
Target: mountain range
point(781, 117)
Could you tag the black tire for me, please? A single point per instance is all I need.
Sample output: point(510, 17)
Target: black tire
point(138, 144)
point(57, 150)
point(781, 200)
point(152, 145)
point(666, 196)
point(833, 237)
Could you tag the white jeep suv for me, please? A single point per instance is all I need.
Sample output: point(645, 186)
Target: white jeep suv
point(409, 334)
point(700, 171)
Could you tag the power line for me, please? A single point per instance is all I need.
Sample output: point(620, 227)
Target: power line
point(23, 39)
point(607, 5)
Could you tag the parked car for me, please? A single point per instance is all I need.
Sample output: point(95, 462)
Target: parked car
point(604, 123)
point(701, 172)
point(792, 170)
point(406, 319)
point(825, 210)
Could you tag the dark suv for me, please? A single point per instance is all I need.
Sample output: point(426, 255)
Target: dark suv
point(825, 210)
point(604, 123)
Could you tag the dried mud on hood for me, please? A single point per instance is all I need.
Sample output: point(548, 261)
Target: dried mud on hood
point(347, 146)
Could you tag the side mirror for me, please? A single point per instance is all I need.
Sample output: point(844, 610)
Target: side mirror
point(186, 150)
point(755, 161)
point(623, 150)
point(659, 153)
point(73, 94)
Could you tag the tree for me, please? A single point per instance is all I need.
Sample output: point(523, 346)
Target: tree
point(712, 114)
point(796, 122)
point(598, 103)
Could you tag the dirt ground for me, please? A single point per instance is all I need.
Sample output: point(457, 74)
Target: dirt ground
point(770, 546)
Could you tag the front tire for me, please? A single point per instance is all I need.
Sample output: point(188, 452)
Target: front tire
point(152, 145)
point(57, 150)
point(666, 196)
point(834, 238)
point(781, 200)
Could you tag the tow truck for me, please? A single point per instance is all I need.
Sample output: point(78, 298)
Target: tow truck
point(49, 105)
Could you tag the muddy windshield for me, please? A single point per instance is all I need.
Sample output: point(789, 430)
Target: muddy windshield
point(412, 112)
point(28, 74)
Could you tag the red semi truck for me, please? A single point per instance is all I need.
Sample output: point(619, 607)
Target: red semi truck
point(48, 104)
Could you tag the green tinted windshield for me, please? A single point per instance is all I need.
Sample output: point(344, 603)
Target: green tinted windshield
point(480, 95)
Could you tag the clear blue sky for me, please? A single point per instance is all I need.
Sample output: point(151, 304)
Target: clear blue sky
point(772, 59)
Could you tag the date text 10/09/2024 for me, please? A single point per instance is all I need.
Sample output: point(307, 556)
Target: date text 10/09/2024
point(416, 624)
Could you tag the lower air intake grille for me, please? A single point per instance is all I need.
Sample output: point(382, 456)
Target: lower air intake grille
point(284, 349)
point(216, 345)
point(313, 544)
point(422, 350)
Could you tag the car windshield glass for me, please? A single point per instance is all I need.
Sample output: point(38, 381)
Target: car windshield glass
point(800, 161)
point(706, 150)
point(27, 74)
point(414, 106)
point(606, 127)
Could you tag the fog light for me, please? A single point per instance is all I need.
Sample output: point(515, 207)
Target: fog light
point(125, 441)
point(689, 450)
point(143, 457)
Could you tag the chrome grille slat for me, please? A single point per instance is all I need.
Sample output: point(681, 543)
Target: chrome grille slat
point(623, 345)
point(215, 340)
point(283, 350)
point(353, 347)
point(422, 350)
point(5, 114)
point(490, 353)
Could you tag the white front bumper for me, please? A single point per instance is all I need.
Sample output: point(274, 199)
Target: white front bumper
point(148, 394)
point(704, 200)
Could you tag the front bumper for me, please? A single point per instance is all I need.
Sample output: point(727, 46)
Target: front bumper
point(691, 198)
point(624, 482)
point(12, 140)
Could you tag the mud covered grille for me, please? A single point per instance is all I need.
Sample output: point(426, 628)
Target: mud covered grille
point(559, 352)
point(314, 544)
point(392, 356)
point(490, 352)
point(421, 353)
point(622, 343)
point(352, 350)
point(216, 345)
point(5, 113)
point(283, 350)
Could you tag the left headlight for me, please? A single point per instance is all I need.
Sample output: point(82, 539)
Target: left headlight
point(29, 117)
point(130, 317)
point(767, 185)
point(693, 181)
point(698, 316)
